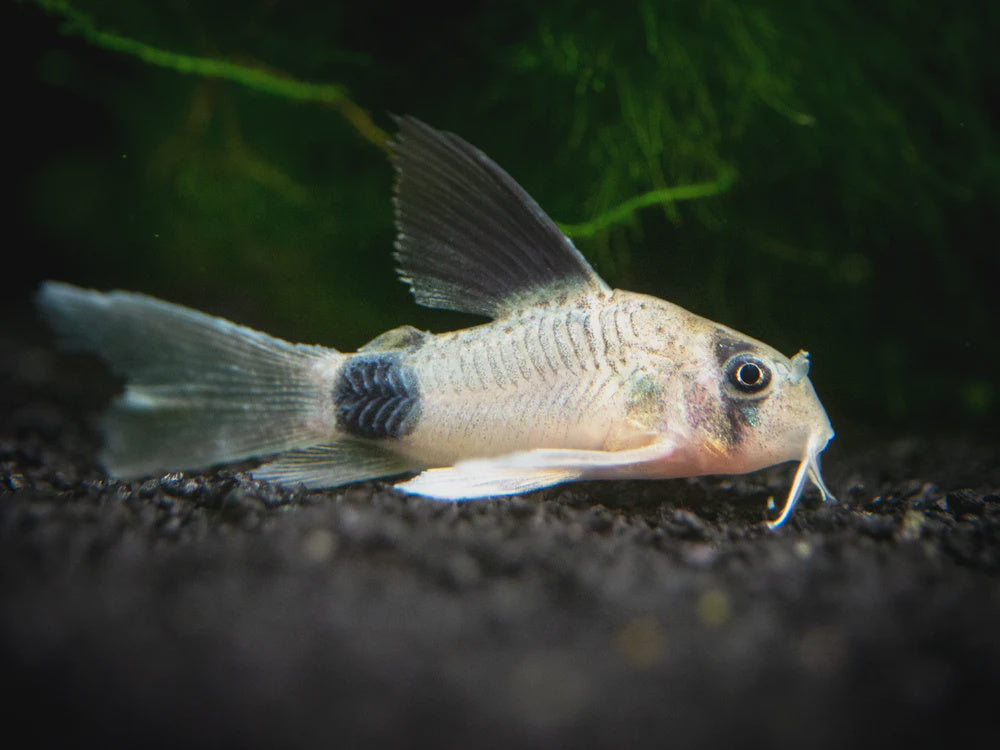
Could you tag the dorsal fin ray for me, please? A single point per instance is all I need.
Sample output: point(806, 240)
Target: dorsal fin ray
point(469, 238)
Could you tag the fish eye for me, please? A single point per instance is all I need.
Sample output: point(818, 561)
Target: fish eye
point(748, 374)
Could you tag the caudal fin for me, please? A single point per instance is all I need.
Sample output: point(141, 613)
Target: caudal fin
point(199, 389)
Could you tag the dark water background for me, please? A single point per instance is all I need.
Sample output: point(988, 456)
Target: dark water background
point(862, 140)
point(209, 610)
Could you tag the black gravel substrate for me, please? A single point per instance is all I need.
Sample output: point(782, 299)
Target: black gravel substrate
point(210, 610)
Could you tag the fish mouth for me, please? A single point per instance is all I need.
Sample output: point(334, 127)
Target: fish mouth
point(808, 467)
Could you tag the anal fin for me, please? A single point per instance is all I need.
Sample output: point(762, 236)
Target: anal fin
point(333, 465)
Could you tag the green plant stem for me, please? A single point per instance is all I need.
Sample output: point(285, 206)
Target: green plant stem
point(257, 79)
point(336, 96)
point(624, 211)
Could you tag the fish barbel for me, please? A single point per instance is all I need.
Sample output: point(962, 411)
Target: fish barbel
point(570, 380)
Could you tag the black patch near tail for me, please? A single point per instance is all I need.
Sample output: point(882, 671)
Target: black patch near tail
point(377, 396)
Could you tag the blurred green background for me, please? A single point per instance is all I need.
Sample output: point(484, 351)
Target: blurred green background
point(860, 140)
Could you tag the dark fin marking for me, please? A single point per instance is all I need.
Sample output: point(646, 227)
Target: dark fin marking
point(403, 337)
point(376, 397)
point(333, 465)
point(469, 238)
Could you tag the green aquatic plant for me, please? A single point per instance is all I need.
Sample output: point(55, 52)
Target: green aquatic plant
point(759, 162)
point(257, 78)
point(664, 196)
point(269, 82)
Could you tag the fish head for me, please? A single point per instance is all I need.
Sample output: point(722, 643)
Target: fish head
point(748, 406)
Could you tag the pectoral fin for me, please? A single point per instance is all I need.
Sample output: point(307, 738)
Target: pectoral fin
point(474, 480)
point(525, 471)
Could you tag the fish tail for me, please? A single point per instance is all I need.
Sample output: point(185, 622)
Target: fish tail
point(199, 390)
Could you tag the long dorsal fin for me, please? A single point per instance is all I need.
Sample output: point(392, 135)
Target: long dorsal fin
point(469, 237)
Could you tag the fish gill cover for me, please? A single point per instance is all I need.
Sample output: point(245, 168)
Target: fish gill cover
point(819, 175)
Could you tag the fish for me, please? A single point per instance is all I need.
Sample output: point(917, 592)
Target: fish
point(568, 380)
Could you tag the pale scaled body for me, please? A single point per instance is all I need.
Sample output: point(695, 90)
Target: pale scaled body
point(556, 377)
point(570, 380)
point(585, 376)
